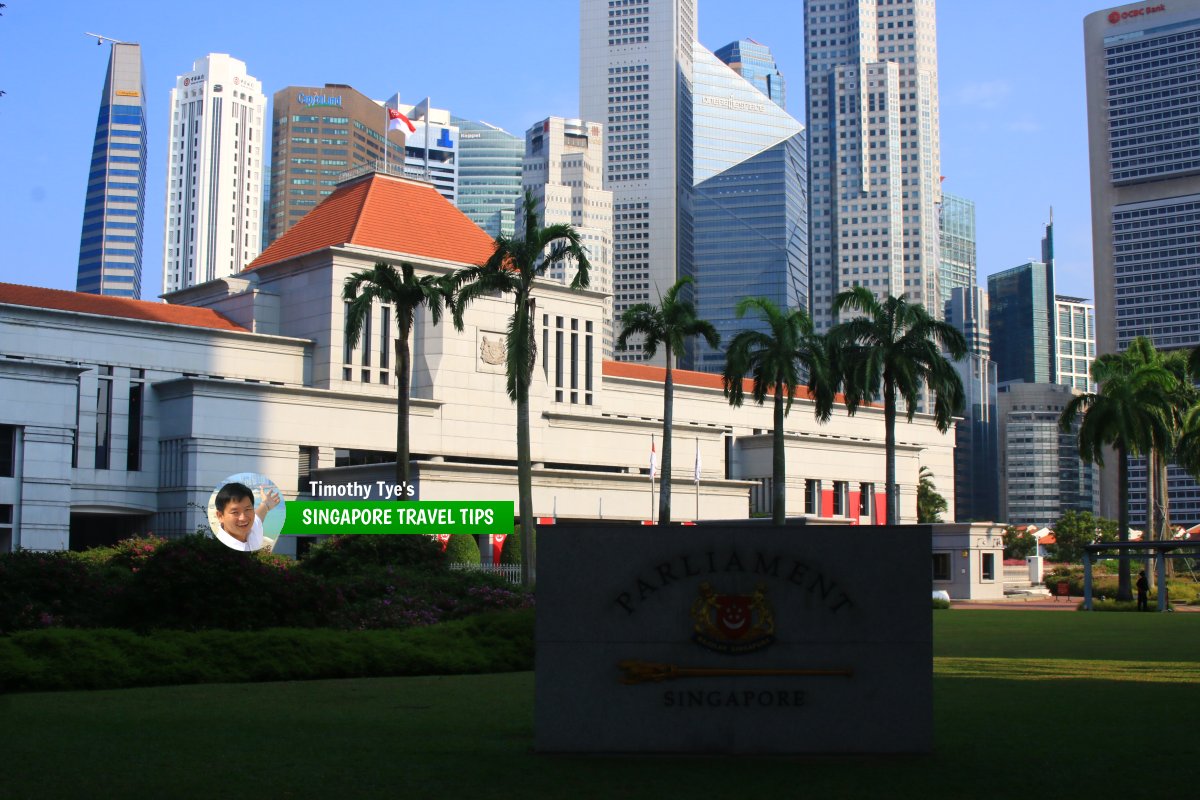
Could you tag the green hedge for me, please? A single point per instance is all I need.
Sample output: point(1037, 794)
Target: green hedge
point(196, 583)
point(462, 549)
point(65, 659)
point(1179, 589)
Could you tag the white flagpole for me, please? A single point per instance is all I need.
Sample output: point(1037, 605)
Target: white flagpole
point(387, 131)
point(697, 477)
point(652, 465)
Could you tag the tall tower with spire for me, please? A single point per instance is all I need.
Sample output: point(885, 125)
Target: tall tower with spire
point(110, 244)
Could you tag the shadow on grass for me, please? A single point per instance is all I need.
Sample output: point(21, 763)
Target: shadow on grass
point(1025, 705)
point(471, 736)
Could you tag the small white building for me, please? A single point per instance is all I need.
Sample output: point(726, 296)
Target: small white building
point(122, 416)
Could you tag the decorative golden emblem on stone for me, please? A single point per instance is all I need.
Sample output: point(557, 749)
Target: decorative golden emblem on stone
point(733, 623)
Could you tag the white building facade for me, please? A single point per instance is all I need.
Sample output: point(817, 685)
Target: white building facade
point(563, 167)
point(123, 416)
point(431, 152)
point(871, 76)
point(215, 173)
point(1075, 319)
point(635, 78)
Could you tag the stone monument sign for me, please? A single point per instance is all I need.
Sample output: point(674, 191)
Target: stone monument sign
point(734, 638)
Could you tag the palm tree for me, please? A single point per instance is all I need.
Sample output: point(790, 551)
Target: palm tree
point(1132, 413)
point(511, 269)
point(895, 347)
point(669, 324)
point(404, 290)
point(775, 361)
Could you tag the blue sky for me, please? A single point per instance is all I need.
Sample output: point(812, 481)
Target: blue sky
point(1013, 127)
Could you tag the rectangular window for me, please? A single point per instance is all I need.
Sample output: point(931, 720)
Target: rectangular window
point(385, 336)
point(366, 338)
point(6, 528)
point(104, 392)
point(587, 367)
point(308, 457)
point(988, 566)
point(546, 346)
point(133, 450)
point(866, 500)
point(8, 451)
point(558, 365)
point(841, 490)
point(941, 566)
point(812, 497)
point(347, 348)
point(574, 361)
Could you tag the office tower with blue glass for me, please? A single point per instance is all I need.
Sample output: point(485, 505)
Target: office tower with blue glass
point(110, 244)
point(1142, 72)
point(754, 62)
point(1021, 318)
point(750, 206)
point(489, 174)
point(957, 268)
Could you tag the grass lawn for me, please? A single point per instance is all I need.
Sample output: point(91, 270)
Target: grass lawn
point(1027, 704)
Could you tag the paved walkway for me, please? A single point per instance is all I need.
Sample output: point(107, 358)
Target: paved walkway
point(1041, 604)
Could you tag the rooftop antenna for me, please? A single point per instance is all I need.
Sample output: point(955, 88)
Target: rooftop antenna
point(102, 39)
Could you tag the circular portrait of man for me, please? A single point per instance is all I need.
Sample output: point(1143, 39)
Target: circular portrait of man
point(246, 512)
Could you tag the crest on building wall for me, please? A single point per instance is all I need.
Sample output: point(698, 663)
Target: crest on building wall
point(493, 351)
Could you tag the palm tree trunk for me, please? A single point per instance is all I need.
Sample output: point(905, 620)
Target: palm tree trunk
point(779, 464)
point(1124, 586)
point(524, 460)
point(1151, 528)
point(889, 423)
point(403, 401)
point(664, 482)
point(1164, 511)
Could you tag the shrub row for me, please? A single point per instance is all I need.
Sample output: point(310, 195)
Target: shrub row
point(196, 583)
point(60, 659)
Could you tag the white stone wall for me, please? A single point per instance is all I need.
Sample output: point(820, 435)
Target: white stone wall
point(221, 402)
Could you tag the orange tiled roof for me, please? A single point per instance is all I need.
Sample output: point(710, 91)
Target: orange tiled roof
point(684, 377)
point(387, 213)
point(108, 306)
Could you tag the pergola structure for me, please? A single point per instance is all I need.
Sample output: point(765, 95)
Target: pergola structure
point(1162, 549)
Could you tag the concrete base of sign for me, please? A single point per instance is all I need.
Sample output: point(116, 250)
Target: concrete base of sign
point(734, 639)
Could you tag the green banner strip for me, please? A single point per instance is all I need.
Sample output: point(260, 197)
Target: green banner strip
point(390, 517)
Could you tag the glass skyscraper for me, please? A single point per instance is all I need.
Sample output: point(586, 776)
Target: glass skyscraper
point(110, 244)
point(750, 208)
point(489, 174)
point(1021, 318)
point(957, 266)
point(754, 62)
point(976, 447)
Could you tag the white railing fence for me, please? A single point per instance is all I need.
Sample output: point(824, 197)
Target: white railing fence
point(509, 572)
